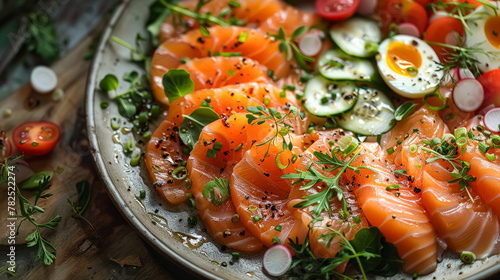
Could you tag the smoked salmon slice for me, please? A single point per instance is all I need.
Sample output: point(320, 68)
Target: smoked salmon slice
point(235, 137)
point(223, 41)
point(164, 150)
point(402, 220)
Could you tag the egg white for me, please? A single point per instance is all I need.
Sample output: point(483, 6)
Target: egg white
point(428, 77)
point(478, 36)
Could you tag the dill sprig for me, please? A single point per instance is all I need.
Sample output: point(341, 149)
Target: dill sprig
point(451, 151)
point(205, 19)
point(330, 162)
point(287, 44)
point(462, 11)
point(282, 125)
point(462, 57)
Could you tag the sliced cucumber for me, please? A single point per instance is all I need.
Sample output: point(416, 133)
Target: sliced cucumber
point(325, 98)
point(373, 113)
point(357, 36)
point(337, 66)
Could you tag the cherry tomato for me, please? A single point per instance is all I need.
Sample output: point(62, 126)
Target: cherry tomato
point(491, 85)
point(36, 138)
point(443, 30)
point(399, 11)
point(336, 9)
point(5, 147)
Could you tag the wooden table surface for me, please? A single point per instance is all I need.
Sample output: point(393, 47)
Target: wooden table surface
point(108, 247)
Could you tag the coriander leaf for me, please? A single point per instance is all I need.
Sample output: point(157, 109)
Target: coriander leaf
point(125, 108)
point(84, 192)
point(109, 83)
point(209, 190)
point(177, 83)
point(194, 123)
point(404, 110)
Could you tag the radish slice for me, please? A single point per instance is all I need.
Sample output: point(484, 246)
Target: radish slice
point(43, 79)
point(468, 95)
point(407, 28)
point(465, 73)
point(492, 119)
point(277, 260)
point(437, 15)
point(366, 7)
point(310, 44)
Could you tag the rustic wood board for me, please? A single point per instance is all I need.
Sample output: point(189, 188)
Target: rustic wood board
point(83, 251)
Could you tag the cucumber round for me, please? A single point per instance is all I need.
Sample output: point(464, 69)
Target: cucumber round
point(373, 113)
point(357, 36)
point(337, 66)
point(325, 98)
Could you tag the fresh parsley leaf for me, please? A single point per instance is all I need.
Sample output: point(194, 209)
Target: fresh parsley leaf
point(42, 37)
point(223, 187)
point(194, 123)
point(109, 83)
point(84, 191)
point(177, 83)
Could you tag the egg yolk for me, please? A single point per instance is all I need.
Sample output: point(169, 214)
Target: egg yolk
point(403, 59)
point(492, 31)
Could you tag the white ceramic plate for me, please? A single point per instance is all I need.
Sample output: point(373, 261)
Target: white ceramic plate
point(165, 228)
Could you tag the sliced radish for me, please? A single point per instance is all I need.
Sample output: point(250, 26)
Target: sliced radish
point(468, 95)
point(43, 79)
point(492, 119)
point(465, 73)
point(437, 15)
point(407, 28)
point(277, 260)
point(310, 44)
point(366, 7)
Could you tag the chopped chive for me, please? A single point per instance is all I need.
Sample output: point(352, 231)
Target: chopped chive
point(480, 128)
point(155, 111)
point(183, 163)
point(415, 130)
point(34, 144)
point(483, 147)
point(495, 33)
point(227, 54)
point(392, 187)
point(146, 135)
point(390, 151)
point(185, 60)
point(289, 87)
point(104, 105)
point(487, 133)
point(276, 241)
point(136, 159)
point(324, 100)
point(270, 73)
point(191, 204)
point(235, 218)
point(217, 146)
point(302, 115)
point(461, 141)
point(230, 72)
point(413, 148)
point(495, 139)
point(192, 220)
point(142, 194)
point(211, 153)
point(204, 31)
point(294, 158)
point(419, 166)
point(252, 208)
point(238, 147)
point(283, 94)
point(460, 132)
point(434, 142)
point(234, 4)
point(143, 117)
point(490, 157)
point(278, 228)
point(256, 218)
point(467, 257)
point(180, 173)
point(236, 255)
point(267, 101)
point(243, 37)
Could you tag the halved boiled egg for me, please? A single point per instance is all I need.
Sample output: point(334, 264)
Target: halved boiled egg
point(486, 36)
point(407, 65)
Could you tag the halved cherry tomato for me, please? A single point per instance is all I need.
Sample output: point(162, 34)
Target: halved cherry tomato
point(399, 11)
point(336, 9)
point(36, 138)
point(442, 31)
point(491, 85)
point(5, 147)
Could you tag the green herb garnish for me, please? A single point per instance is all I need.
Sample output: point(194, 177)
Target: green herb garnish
point(223, 190)
point(287, 44)
point(194, 123)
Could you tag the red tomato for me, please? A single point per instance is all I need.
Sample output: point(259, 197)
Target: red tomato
point(399, 11)
point(36, 138)
point(5, 147)
point(491, 84)
point(441, 31)
point(336, 9)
